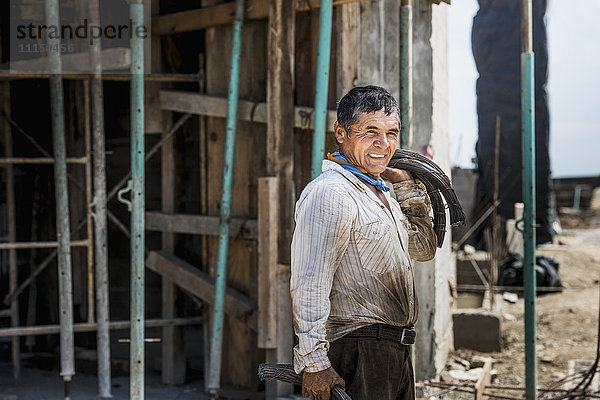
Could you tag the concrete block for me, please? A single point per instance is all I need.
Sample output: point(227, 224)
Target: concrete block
point(477, 329)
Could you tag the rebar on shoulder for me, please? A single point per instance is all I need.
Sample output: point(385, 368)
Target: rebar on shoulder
point(438, 188)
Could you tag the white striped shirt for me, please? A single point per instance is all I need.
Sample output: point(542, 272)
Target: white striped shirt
point(350, 260)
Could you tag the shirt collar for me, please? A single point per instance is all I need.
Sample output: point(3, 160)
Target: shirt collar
point(330, 165)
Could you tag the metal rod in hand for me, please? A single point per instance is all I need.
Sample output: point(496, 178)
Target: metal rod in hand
point(285, 373)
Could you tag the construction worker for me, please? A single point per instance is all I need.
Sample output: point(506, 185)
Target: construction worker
point(352, 284)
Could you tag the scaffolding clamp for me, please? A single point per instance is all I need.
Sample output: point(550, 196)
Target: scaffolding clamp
point(122, 192)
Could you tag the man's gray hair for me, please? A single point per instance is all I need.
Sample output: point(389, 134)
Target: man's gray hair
point(364, 99)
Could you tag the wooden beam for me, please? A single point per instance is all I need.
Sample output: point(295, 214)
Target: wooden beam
point(280, 164)
point(268, 220)
point(116, 58)
point(202, 18)
point(347, 28)
point(222, 14)
point(199, 224)
point(202, 285)
point(484, 380)
point(214, 106)
point(173, 357)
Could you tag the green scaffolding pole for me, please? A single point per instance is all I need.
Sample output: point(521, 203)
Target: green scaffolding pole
point(136, 385)
point(216, 342)
point(318, 151)
point(528, 178)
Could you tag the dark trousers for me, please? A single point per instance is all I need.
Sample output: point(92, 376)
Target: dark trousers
point(373, 369)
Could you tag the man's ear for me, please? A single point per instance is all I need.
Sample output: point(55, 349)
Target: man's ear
point(339, 132)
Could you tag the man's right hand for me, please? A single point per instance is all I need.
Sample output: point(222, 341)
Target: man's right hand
point(318, 385)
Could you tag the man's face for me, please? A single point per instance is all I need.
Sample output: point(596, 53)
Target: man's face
point(371, 141)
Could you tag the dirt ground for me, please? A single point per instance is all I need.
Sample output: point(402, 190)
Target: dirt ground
point(567, 322)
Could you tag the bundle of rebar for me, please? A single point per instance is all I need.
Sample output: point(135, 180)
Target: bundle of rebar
point(438, 188)
point(286, 373)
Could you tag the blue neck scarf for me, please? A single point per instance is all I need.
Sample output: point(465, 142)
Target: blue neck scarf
point(379, 184)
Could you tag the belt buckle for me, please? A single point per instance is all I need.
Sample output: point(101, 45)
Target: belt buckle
point(408, 336)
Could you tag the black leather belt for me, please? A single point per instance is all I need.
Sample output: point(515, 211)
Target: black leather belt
point(404, 335)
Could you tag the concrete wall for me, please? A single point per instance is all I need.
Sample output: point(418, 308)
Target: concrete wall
point(430, 135)
point(374, 27)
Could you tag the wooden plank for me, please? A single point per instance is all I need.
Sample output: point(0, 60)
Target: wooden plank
point(202, 18)
point(222, 14)
point(347, 21)
point(280, 163)
point(116, 58)
point(215, 106)
point(173, 360)
point(268, 218)
point(202, 285)
point(199, 224)
point(485, 379)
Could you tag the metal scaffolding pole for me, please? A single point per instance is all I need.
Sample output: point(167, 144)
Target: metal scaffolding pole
point(91, 314)
point(62, 199)
point(406, 74)
point(216, 343)
point(318, 151)
point(136, 11)
point(528, 176)
point(12, 234)
point(100, 219)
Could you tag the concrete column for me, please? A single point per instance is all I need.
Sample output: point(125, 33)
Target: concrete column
point(430, 127)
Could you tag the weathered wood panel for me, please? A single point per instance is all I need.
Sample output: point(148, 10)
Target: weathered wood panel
point(199, 224)
point(215, 106)
point(202, 285)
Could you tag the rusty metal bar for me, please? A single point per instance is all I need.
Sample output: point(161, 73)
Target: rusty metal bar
point(39, 160)
point(87, 327)
point(12, 235)
point(41, 245)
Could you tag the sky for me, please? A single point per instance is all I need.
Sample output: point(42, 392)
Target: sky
point(573, 85)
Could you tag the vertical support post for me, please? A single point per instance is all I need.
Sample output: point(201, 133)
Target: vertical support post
point(576, 197)
point(214, 374)
point(277, 194)
point(12, 231)
point(406, 75)
point(173, 358)
point(322, 86)
point(63, 232)
point(100, 231)
point(88, 200)
point(528, 174)
point(136, 11)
